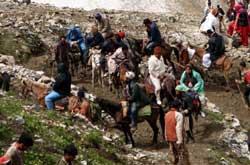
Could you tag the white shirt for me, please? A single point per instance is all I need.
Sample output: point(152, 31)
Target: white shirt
point(156, 66)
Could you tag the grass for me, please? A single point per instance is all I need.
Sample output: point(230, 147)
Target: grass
point(52, 128)
point(217, 117)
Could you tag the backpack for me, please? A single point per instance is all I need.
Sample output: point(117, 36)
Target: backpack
point(247, 78)
point(243, 18)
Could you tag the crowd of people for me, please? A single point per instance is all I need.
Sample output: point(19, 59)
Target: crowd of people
point(188, 91)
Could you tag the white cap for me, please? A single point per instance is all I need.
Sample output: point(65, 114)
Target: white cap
point(130, 75)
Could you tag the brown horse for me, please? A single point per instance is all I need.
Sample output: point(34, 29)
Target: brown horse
point(224, 63)
point(167, 91)
point(72, 103)
point(115, 110)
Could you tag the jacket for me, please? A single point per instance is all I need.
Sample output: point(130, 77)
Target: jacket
point(103, 25)
point(13, 156)
point(174, 124)
point(198, 87)
point(137, 94)
point(156, 66)
point(74, 34)
point(95, 40)
point(63, 81)
point(119, 56)
point(62, 52)
point(154, 33)
point(216, 47)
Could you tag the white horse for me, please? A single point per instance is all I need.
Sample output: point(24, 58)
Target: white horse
point(95, 57)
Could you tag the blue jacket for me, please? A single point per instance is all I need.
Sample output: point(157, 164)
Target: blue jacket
point(74, 34)
point(155, 35)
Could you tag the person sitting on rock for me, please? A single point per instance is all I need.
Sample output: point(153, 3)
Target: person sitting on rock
point(154, 36)
point(216, 49)
point(74, 36)
point(157, 70)
point(61, 87)
point(103, 26)
point(192, 80)
point(62, 51)
point(245, 79)
point(15, 154)
point(70, 153)
point(95, 38)
point(136, 97)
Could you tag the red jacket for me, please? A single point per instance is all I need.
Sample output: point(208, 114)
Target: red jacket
point(174, 126)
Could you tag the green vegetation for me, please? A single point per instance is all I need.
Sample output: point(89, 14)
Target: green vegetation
point(53, 131)
point(217, 117)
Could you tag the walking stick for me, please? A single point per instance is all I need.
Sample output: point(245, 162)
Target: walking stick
point(242, 98)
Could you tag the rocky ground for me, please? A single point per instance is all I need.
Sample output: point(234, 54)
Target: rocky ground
point(29, 34)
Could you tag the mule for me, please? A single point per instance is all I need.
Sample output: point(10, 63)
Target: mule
point(97, 68)
point(115, 110)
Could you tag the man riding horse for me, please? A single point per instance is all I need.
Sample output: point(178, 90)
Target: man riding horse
point(157, 70)
point(74, 36)
point(135, 96)
point(154, 36)
point(215, 50)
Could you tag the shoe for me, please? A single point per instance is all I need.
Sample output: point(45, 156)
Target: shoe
point(203, 114)
point(158, 102)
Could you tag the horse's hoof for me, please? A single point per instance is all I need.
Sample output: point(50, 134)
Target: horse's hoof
point(227, 89)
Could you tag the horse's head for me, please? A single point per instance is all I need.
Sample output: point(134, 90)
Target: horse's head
point(39, 90)
point(96, 57)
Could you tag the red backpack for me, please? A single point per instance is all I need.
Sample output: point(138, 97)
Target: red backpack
point(247, 78)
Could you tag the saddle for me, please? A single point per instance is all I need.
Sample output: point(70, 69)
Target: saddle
point(149, 86)
point(220, 60)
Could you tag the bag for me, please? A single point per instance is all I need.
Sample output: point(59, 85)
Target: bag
point(243, 18)
point(247, 78)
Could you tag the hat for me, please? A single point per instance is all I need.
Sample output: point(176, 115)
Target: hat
point(98, 15)
point(146, 21)
point(181, 88)
point(214, 11)
point(77, 25)
point(121, 34)
point(130, 75)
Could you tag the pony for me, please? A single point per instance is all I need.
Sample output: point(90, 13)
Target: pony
point(115, 110)
point(96, 63)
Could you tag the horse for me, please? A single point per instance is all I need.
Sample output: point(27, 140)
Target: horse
point(72, 103)
point(167, 91)
point(39, 90)
point(116, 111)
point(96, 63)
point(224, 63)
